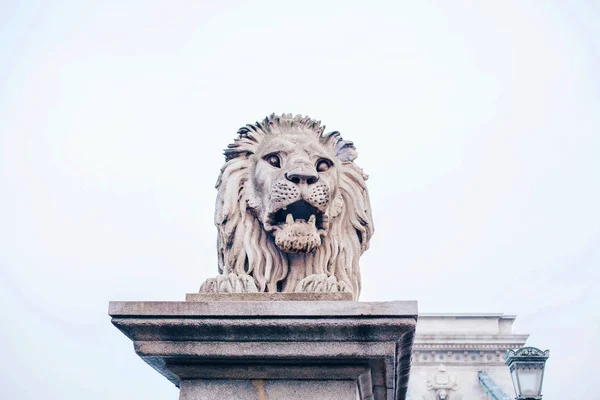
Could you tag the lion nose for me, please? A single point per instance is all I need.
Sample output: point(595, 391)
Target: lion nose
point(302, 176)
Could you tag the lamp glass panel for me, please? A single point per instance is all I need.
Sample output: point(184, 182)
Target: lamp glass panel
point(513, 375)
point(530, 380)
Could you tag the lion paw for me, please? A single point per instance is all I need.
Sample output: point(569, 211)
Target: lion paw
point(319, 283)
point(229, 283)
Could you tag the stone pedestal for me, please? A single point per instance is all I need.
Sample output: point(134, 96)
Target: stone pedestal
point(276, 350)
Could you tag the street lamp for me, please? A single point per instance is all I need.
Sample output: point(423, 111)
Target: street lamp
point(527, 371)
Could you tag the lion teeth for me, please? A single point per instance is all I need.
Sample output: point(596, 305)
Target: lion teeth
point(312, 220)
point(289, 219)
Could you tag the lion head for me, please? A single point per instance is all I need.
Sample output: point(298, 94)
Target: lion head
point(292, 204)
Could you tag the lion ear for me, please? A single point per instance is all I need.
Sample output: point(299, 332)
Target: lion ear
point(344, 149)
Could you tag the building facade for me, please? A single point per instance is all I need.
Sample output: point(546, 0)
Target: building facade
point(461, 357)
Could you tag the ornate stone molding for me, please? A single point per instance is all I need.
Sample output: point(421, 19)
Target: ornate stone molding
point(421, 357)
point(442, 386)
point(528, 352)
point(503, 346)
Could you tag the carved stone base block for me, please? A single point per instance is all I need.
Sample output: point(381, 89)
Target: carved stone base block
point(275, 350)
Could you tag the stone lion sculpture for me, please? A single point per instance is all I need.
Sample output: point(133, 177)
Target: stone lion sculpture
point(292, 211)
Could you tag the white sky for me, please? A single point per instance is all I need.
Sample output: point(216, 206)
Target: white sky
point(478, 122)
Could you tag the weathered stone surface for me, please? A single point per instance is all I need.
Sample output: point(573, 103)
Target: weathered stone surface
point(259, 389)
point(292, 211)
point(276, 296)
point(367, 344)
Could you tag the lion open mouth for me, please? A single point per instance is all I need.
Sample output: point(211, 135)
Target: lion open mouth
point(298, 227)
point(298, 212)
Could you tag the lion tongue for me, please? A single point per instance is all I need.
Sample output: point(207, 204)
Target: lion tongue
point(298, 235)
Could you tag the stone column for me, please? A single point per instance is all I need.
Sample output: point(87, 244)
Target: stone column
point(294, 346)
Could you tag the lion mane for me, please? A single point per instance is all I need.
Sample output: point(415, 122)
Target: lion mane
point(245, 248)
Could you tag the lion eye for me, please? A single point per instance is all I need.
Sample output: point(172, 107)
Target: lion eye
point(323, 165)
point(274, 160)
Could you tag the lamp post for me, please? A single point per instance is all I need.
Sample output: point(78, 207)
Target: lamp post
point(527, 371)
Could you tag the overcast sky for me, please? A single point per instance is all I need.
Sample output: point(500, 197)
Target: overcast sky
point(478, 123)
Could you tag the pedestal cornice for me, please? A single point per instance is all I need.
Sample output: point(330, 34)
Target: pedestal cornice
point(369, 343)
